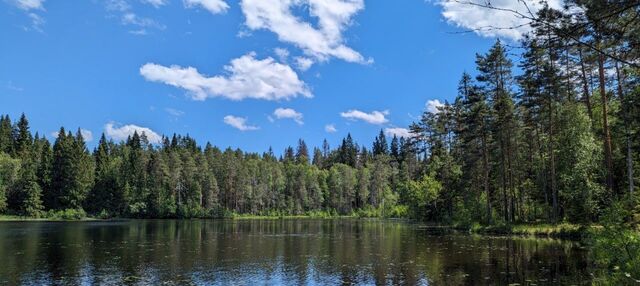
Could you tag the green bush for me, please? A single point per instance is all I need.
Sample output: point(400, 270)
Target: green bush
point(104, 214)
point(368, 212)
point(67, 214)
point(398, 211)
point(138, 209)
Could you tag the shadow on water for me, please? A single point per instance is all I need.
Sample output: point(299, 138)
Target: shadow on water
point(276, 252)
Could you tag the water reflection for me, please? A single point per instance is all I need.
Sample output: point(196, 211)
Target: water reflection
point(275, 252)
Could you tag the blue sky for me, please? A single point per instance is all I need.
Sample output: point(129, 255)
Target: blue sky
point(239, 73)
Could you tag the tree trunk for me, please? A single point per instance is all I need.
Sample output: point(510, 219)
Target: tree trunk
point(605, 125)
point(552, 164)
point(485, 156)
point(625, 119)
point(585, 87)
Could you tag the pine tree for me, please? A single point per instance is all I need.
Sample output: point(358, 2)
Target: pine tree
point(495, 75)
point(476, 138)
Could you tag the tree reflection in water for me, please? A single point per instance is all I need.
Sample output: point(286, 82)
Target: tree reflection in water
point(276, 252)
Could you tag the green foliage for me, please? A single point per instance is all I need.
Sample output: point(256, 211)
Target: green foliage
point(71, 173)
point(32, 203)
point(9, 170)
point(397, 211)
point(616, 246)
point(66, 214)
point(422, 196)
point(3, 197)
point(578, 160)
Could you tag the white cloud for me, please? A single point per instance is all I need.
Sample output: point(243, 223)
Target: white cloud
point(117, 5)
point(36, 22)
point(174, 112)
point(492, 22)
point(11, 86)
point(128, 17)
point(29, 4)
point(375, 117)
point(156, 3)
point(433, 105)
point(281, 113)
point(321, 42)
point(213, 6)
point(399, 132)
point(87, 135)
point(141, 22)
point(247, 78)
point(330, 128)
point(123, 132)
point(282, 54)
point(303, 63)
point(239, 123)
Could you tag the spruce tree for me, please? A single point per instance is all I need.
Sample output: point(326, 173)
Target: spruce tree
point(6, 135)
point(22, 138)
point(302, 152)
point(29, 193)
point(380, 146)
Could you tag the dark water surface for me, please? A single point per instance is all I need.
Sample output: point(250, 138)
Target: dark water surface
point(276, 252)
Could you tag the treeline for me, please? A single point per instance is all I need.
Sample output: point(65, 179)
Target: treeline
point(178, 178)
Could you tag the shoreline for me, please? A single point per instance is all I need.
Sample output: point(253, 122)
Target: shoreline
point(566, 231)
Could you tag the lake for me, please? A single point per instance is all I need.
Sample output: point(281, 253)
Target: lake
point(276, 252)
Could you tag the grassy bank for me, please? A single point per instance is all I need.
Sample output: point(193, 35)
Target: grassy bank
point(10, 218)
point(563, 230)
point(60, 215)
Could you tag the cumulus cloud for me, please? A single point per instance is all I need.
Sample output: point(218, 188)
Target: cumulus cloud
point(213, 6)
point(398, 132)
point(247, 77)
point(282, 53)
point(493, 22)
point(239, 123)
point(121, 133)
point(433, 105)
point(375, 117)
point(288, 113)
point(330, 128)
point(322, 41)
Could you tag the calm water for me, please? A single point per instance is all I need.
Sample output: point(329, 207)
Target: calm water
point(275, 252)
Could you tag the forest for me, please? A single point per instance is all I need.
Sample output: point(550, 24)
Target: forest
point(545, 131)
